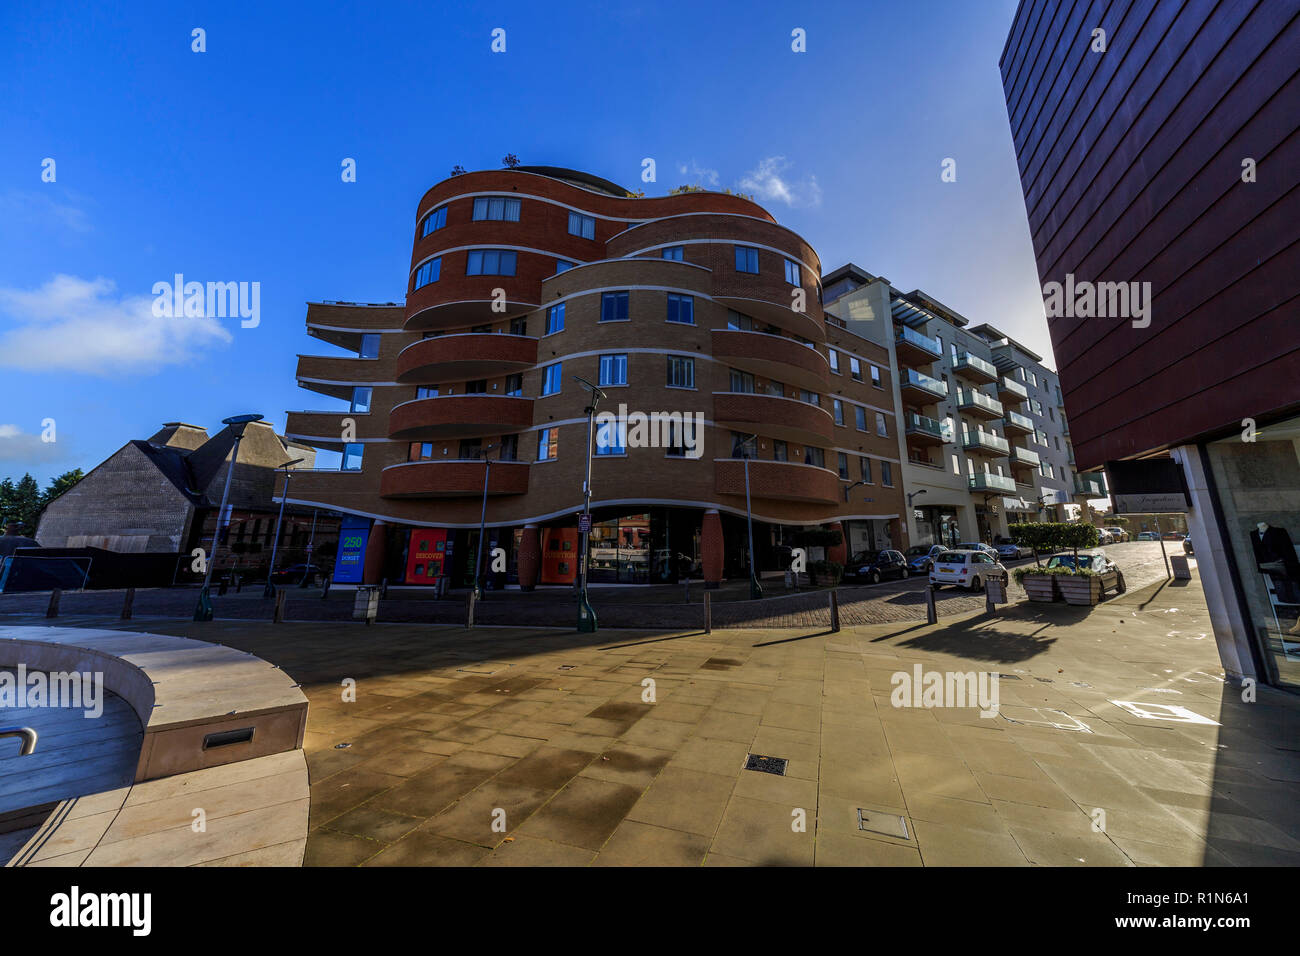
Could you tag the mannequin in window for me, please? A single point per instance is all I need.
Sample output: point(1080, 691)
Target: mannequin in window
point(1275, 556)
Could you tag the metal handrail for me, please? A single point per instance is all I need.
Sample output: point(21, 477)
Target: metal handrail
point(26, 733)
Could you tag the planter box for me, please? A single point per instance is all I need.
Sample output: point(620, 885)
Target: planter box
point(1040, 587)
point(1086, 589)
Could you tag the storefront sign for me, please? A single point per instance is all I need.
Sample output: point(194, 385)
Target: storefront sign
point(350, 561)
point(1148, 486)
point(427, 556)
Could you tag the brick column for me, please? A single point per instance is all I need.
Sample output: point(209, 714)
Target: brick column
point(530, 557)
point(839, 553)
point(376, 549)
point(711, 548)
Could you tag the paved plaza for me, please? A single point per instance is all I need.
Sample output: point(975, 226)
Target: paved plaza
point(530, 746)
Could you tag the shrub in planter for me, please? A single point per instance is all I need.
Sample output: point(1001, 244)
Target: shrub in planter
point(826, 572)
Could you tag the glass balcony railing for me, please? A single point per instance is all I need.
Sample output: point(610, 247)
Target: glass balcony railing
point(987, 441)
point(915, 424)
point(1089, 485)
point(968, 397)
point(1023, 456)
point(923, 342)
point(965, 362)
point(933, 386)
point(986, 481)
point(1009, 386)
point(1016, 420)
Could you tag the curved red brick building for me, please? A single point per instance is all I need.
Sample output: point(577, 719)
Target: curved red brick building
point(697, 310)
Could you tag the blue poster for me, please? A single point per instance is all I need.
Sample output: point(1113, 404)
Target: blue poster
point(354, 532)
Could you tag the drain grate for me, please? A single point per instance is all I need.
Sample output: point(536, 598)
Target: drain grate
point(886, 824)
point(763, 764)
point(1043, 680)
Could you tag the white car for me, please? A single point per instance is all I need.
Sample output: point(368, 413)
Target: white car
point(1104, 536)
point(967, 569)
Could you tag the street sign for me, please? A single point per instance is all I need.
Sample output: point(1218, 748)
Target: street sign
point(584, 523)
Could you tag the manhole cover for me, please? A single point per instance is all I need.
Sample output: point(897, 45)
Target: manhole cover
point(887, 824)
point(763, 764)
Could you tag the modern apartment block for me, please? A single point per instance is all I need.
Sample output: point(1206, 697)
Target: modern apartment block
point(1159, 182)
point(696, 309)
point(983, 442)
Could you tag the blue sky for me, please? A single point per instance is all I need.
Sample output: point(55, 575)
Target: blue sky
point(225, 166)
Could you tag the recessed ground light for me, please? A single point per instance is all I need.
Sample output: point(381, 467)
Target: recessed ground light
point(567, 667)
point(763, 764)
point(887, 824)
point(341, 746)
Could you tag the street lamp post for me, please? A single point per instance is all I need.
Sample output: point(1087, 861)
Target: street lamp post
point(311, 542)
point(586, 613)
point(269, 590)
point(203, 611)
point(755, 589)
point(482, 526)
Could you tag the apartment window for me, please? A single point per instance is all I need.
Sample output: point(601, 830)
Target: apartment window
point(681, 436)
point(1058, 443)
point(580, 225)
point(519, 326)
point(611, 438)
point(369, 345)
point(812, 398)
point(426, 391)
point(886, 475)
point(500, 208)
point(551, 377)
point(674, 253)
point(740, 445)
point(563, 265)
point(515, 385)
point(780, 451)
point(420, 450)
point(855, 369)
point(508, 448)
point(361, 398)
point(434, 221)
point(490, 262)
point(881, 428)
point(613, 306)
point(352, 453)
point(839, 411)
point(842, 462)
point(1042, 468)
point(555, 319)
point(428, 273)
point(865, 464)
point(875, 376)
point(814, 456)
point(834, 358)
point(741, 381)
point(1033, 377)
point(477, 386)
point(681, 372)
point(1050, 413)
point(613, 369)
point(548, 440)
point(747, 259)
point(739, 322)
point(791, 272)
point(681, 309)
point(955, 353)
point(470, 449)
point(860, 414)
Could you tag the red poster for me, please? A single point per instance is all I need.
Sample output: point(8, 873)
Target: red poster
point(426, 556)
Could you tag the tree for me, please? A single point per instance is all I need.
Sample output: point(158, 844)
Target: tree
point(458, 170)
point(59, 485)
point(21, 502)
point(510, 161)
point(1078, 536)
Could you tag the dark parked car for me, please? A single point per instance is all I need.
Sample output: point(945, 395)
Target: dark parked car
point(920, 559)
point(873, 566)
point(293, 574)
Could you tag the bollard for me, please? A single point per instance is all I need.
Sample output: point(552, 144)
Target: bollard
point(239, 583)
point(127, 602)
point(469, 609)
point(325, 592)
point(280, 597)
point(708, 613)
point(835, 610)
point(931, 613)
point(988, 599)
point(53, 609)
point(383, 589)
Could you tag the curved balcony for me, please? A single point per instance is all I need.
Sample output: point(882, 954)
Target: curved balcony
point(978, 404)
point(776, 312)
point(773, 356)
point(326, 429)
point(975, 369)
point(985, 443)
point(788, 419)
point(455, 302)
point(921, 430)
point(459, 416)
point(913, 348)
point(335, 375)
point(777, 480)
point(457, 478)
point(455, 358)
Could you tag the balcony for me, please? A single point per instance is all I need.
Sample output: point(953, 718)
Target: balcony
point(978, 404)
point(1015, 422)
point(1088, 486)
point(335, 375)
point(788, 419)
point(986, 481)
point(1009, 389)
point(325, 429)
point(975, 369)
point(921, 430)
point(773, 357)
point(777, 481)
point(457, 478)
point(459, 416)
point(921, 388)
point(913, 348)
point(457, 358)
point(985, 443)
point(1024, 457)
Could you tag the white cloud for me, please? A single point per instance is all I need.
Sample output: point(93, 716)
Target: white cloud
point(38, 208)
point(82, 325)
point(698, 175)
point(767, 183)
point(17, 445)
